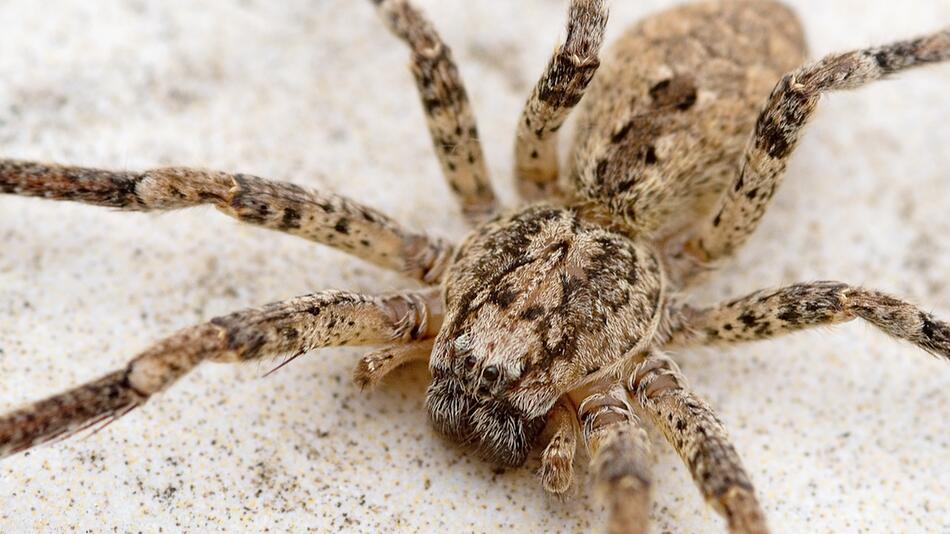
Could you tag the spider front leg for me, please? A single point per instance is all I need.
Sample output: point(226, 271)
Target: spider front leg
point(693, 429)
point(560, 89)
point(777, 132)
point(619, 451)
point(447, 109)
point(771, 313)
point(292, 327)
point(322, 217)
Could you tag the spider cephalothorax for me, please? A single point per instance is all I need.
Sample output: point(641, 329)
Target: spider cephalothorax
point(537, 302)
point(556, 314)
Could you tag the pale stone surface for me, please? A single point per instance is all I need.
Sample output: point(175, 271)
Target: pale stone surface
point(842, 430)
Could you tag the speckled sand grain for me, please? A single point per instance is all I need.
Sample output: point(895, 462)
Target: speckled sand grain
point(842, 430)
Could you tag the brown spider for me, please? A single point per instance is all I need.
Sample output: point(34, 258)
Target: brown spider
point(556, 314)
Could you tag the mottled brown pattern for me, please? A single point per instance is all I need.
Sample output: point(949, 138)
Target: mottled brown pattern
point(108, 397)
point(663, 124)
point(620, 454)
point(770, 313)
point(560, 88)
point(701, 440)
point(779, 127)
point(326, 218)
point(548, 301)
point(445, 103)
point(553, 315)
point(289, 328)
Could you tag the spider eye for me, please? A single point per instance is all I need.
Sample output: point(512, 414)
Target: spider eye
point(490, 373)
point(462, 350)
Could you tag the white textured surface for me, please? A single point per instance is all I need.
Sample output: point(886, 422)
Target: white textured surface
point(842, 430)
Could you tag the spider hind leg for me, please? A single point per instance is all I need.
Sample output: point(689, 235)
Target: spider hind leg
point(777, 132)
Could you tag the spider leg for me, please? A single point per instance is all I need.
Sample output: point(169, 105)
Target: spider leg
point(700, 439)
point(322, 217)
point(560, 88)
point(447, 109)
point(771, 313)
point(294, 326)
point(777, 132)
point(619, 451)
point(373, 367)
point(557, 460)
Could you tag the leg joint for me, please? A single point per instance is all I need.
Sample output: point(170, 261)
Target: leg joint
point(655, 377)
point(600, 412)
point(410, 314)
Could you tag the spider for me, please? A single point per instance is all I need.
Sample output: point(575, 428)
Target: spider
point(550, 323)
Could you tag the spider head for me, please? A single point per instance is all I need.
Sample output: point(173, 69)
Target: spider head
point(470, 402)
point(536, 304)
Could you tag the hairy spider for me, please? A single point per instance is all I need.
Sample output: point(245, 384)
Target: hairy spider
point(557, 314)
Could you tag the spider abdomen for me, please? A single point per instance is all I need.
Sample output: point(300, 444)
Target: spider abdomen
point(663, 124)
